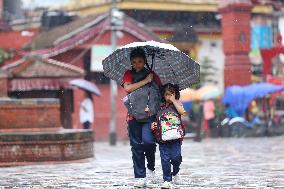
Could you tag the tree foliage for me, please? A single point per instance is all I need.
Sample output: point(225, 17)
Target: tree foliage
point(5, 55)
point(207, 72)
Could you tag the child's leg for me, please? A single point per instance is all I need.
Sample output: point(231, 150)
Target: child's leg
point(138, 157)
point(149, 145)
point(150, 156)
point(176, 157)
point(86, 125)
point(165, 161)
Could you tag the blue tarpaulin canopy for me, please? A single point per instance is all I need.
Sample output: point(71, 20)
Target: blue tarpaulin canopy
point(239, 97)
point(187, 105)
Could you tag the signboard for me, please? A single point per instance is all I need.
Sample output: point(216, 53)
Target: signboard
point(261, 37)
point(98, 53)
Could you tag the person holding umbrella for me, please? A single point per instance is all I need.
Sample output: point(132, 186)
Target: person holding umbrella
point(87, 111)
point(86, 107)
point(142, 140)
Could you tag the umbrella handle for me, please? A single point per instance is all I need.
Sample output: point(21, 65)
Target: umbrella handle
point(148, 66)
point(153, 56)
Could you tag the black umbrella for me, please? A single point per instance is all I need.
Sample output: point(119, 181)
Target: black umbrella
point(171, 65)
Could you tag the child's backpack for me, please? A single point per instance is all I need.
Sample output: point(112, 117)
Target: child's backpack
point(170, 124)
point(143, 103)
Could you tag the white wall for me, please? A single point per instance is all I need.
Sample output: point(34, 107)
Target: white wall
point(214, 53)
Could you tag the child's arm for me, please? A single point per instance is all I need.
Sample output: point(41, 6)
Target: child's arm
point(154, 127)
point(130, 87)
point(178, 105)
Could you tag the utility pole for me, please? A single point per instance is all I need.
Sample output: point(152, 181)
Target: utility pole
point(113, 84)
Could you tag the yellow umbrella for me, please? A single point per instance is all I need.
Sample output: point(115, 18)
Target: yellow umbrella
point(204, 93)
point(209, 92)
point(189, 95)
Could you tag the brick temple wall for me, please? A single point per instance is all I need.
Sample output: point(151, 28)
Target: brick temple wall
point(21, 149)
point(29, 114)
point(31, 132)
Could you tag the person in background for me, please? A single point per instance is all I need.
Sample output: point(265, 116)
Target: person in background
point(197, 110)
point(230, 112)
point(87, 111)
point(209, 116)
point(219, 116)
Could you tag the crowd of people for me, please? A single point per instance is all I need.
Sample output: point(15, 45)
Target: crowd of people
point(212, 118)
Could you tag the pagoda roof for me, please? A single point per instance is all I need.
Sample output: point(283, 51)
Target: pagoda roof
point(35, 73)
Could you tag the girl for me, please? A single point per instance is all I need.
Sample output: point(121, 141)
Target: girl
point(142, 140)
point(169, 132)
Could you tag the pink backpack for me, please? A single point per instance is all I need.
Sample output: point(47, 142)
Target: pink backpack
point(170, 124)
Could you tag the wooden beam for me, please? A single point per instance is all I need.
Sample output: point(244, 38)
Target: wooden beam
point(162, 6)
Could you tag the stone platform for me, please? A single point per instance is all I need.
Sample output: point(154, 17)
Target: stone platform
point(31, 132)
point(26, 148)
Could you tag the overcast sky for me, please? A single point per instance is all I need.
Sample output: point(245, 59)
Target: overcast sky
point(46, 3)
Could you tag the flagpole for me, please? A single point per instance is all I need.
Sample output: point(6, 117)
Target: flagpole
point(113, 84)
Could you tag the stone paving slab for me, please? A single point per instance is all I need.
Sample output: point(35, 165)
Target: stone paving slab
point(244, 163)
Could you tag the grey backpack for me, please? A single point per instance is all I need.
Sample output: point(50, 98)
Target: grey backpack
point(144, 102)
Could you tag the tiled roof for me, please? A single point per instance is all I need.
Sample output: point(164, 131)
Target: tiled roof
point(83, 29)
point(4, 26)
point(47, 38)
point(41, 74)
point(32, 67)
point(16, 39)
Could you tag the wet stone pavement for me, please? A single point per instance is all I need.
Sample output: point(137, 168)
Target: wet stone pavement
point(213, 163)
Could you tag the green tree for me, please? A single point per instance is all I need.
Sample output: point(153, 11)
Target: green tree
point(4, 55)
point(207, 71)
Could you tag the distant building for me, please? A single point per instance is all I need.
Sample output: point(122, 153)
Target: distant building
point(52, 19)
point(80, 43)
point(192, 26)
point(12, 10)
point(36, 77)
point(1, 9)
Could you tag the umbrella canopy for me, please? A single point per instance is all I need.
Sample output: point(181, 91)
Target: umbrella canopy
point(209, 92)
point(204, 93)
point(189, 95)
point(239, 97)
point(86, 85)
point(171, 65)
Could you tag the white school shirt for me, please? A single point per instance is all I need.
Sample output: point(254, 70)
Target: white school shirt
point(86, 111)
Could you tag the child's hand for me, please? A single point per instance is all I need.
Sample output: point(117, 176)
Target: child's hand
point(172, 97)
point(154, 125)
